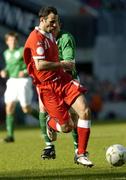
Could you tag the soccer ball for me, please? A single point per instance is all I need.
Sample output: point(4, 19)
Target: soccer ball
point(116, 155)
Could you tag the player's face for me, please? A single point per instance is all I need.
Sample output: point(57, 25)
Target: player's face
point(50, 22)
point(57, 29)
point(11, 42)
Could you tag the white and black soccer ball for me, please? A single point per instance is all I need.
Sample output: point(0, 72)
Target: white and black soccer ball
point(116, 155)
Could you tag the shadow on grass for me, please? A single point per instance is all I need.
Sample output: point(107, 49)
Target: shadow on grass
point(64, 174)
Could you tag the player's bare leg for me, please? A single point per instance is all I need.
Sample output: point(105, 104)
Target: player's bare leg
point(83, 129)
point(74, 118)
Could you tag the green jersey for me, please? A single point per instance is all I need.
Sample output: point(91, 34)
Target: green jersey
point(66, 45)
point(14, 62)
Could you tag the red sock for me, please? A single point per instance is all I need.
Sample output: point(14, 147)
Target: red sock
point(83, 136)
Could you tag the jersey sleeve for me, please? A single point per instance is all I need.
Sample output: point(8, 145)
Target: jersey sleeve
point(68, 48)
point(37, 48)
point(5, 61)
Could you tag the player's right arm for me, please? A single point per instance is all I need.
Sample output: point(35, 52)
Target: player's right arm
point(42, 64)
point(3, 73)
point(37, 47)
point(39, 56)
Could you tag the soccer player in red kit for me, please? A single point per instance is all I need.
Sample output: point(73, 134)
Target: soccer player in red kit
point(57, 90)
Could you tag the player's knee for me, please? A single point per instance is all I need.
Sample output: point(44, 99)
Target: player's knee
point(85, 113)
point(27, 109)
point(10, 109)
point(66, 128)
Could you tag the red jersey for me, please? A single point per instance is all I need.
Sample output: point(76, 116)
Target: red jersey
point(41, 45)
point(56, 88)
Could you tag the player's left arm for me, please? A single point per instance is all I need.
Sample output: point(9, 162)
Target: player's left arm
point(23, 73)
point(68, 50)
point(68, 47)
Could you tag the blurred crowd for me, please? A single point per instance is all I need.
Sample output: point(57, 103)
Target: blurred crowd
point(109, 4)
point(109, 91)
point(100, 92)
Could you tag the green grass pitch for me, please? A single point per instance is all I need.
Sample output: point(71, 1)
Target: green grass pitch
point(21, 160)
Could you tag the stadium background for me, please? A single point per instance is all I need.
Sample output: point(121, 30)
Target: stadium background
point(100, 31)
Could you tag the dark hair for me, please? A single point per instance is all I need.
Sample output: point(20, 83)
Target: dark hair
point(45, 11)
point(13, 34)
point(60, 21)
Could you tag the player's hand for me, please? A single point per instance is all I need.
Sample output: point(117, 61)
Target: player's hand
point(21, 74)
point(3, 73)
point(68, 65)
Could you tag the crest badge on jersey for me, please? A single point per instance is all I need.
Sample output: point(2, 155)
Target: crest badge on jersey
point(40, 50)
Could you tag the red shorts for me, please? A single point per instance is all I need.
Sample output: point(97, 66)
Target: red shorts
point(58, 95)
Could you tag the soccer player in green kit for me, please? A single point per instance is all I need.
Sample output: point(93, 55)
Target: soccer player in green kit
point(66, 47)
point(19, 84)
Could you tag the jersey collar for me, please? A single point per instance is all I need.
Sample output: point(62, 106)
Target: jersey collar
point(48, 35)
